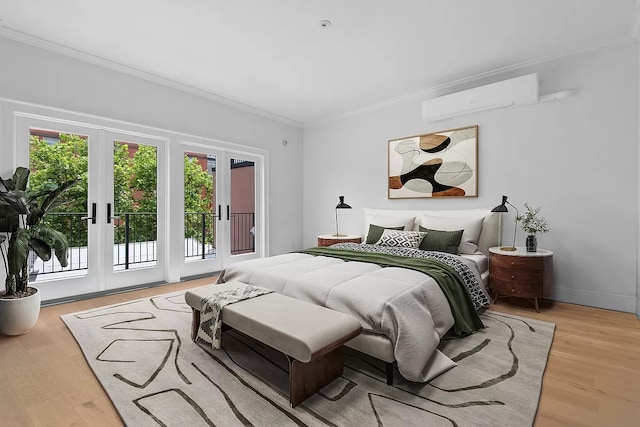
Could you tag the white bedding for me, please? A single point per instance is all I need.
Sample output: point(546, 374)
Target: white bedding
point(405, 305)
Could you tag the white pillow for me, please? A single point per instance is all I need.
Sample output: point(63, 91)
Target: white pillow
point(470, 235)
point(401, 239)
point(393, 220)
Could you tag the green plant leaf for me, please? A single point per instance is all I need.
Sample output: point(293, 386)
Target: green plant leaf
point(18, 251)
point(21, 178)
point(8, 184)
point(15, 200)
point(57, 241)
point(9, 219)
point(35, 215)
point(49, 201)
point(32, 195)
point(41, 248)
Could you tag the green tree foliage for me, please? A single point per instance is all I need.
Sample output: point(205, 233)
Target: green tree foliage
point(122, 170)
point(198, 190)
point(143, 185)
point(135, 188)
point(144, 178)
point(64, 161)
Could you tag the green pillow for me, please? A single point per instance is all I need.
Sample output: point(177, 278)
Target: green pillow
point(441, 241)
point(375, 232)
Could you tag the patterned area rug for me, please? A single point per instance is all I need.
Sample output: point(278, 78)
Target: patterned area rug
point(142, 354)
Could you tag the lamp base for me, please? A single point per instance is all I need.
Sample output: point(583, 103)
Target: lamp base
point(339, 235)
point(507, 248)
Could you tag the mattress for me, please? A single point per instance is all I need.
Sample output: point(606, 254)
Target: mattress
point(480, 259)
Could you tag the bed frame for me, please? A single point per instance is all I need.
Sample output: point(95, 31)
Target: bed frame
point(379, 346)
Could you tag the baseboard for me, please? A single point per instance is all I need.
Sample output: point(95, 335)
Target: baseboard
point(64, 300)
point(596, 299)
point(199, 276)
point(90, 295)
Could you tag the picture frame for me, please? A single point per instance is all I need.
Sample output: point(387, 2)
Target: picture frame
point(434, 165)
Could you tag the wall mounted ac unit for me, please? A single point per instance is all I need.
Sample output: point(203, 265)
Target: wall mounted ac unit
point(507, 93)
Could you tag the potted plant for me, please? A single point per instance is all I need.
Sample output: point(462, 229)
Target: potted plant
point(533, 225)
point(21, 230)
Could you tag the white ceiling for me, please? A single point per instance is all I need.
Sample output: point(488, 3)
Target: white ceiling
point(272, 55)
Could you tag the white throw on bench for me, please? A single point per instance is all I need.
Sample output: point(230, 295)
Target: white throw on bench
point(309, 335)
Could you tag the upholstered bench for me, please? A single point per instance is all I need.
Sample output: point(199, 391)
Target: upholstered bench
point(309, 335)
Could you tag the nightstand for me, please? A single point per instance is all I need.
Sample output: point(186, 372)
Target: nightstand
point(330, 239)
point(521, 274)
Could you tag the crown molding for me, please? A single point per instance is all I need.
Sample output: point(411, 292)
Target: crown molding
point(38, 42)
point(38, 111)
point(19, 36)
point(432, 91)
point(634, 32)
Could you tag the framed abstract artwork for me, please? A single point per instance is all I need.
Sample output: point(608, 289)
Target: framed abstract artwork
point(439, 164)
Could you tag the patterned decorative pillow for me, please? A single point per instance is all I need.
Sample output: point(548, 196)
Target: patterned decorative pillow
point(401, 239)
point(375, 232)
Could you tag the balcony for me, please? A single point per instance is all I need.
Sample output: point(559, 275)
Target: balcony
point(135, 245)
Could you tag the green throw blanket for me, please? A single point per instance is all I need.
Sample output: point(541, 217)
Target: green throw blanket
point(465, 316)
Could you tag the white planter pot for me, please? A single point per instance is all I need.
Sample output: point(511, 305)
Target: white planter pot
point(18, 316)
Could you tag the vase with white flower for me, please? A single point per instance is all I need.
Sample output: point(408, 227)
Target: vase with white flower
point(532, 224)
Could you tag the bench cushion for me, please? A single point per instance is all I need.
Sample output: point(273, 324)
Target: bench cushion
point(297, 328)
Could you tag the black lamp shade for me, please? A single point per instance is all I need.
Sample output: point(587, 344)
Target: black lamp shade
point(342, 204)
point(501, 207)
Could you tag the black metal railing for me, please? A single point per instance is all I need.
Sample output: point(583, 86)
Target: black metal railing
point(200, 229)
point(242, 229)
point(135, 239)
point(199, 235)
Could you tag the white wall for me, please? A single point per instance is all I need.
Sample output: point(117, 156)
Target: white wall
point(34, 75)
point(576, 158)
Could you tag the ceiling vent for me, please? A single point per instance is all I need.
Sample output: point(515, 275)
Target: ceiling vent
point(507, 93)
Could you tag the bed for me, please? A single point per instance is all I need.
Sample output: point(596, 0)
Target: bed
point(406, 298)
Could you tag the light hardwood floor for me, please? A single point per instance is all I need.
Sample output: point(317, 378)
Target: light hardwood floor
point(592, 377)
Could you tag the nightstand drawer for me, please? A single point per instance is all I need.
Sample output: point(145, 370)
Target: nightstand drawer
point(510, 288)
point(529, 263)
point(522, 277)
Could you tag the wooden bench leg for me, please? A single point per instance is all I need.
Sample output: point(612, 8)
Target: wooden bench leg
point(389, 367)
point(305, 379)
point(195, 324)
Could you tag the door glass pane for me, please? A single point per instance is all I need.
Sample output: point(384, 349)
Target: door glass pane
point(57, 157)
point(199, 206)
point(243, 206)
point(135, 219)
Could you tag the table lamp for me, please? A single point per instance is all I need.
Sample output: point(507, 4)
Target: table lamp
point(503, 208)
point(341, 205)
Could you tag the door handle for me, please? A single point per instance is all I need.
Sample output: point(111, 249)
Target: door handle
point(109, 216)
point(228, 213)
point(93, 214)
point(219, 212)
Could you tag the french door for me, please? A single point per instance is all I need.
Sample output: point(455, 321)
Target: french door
point(222, 209)
point(126, 222)
point(135, 208)
point(114, 218)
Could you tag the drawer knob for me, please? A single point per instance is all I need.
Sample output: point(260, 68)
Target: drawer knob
point(513, 277)
point(513, 263)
